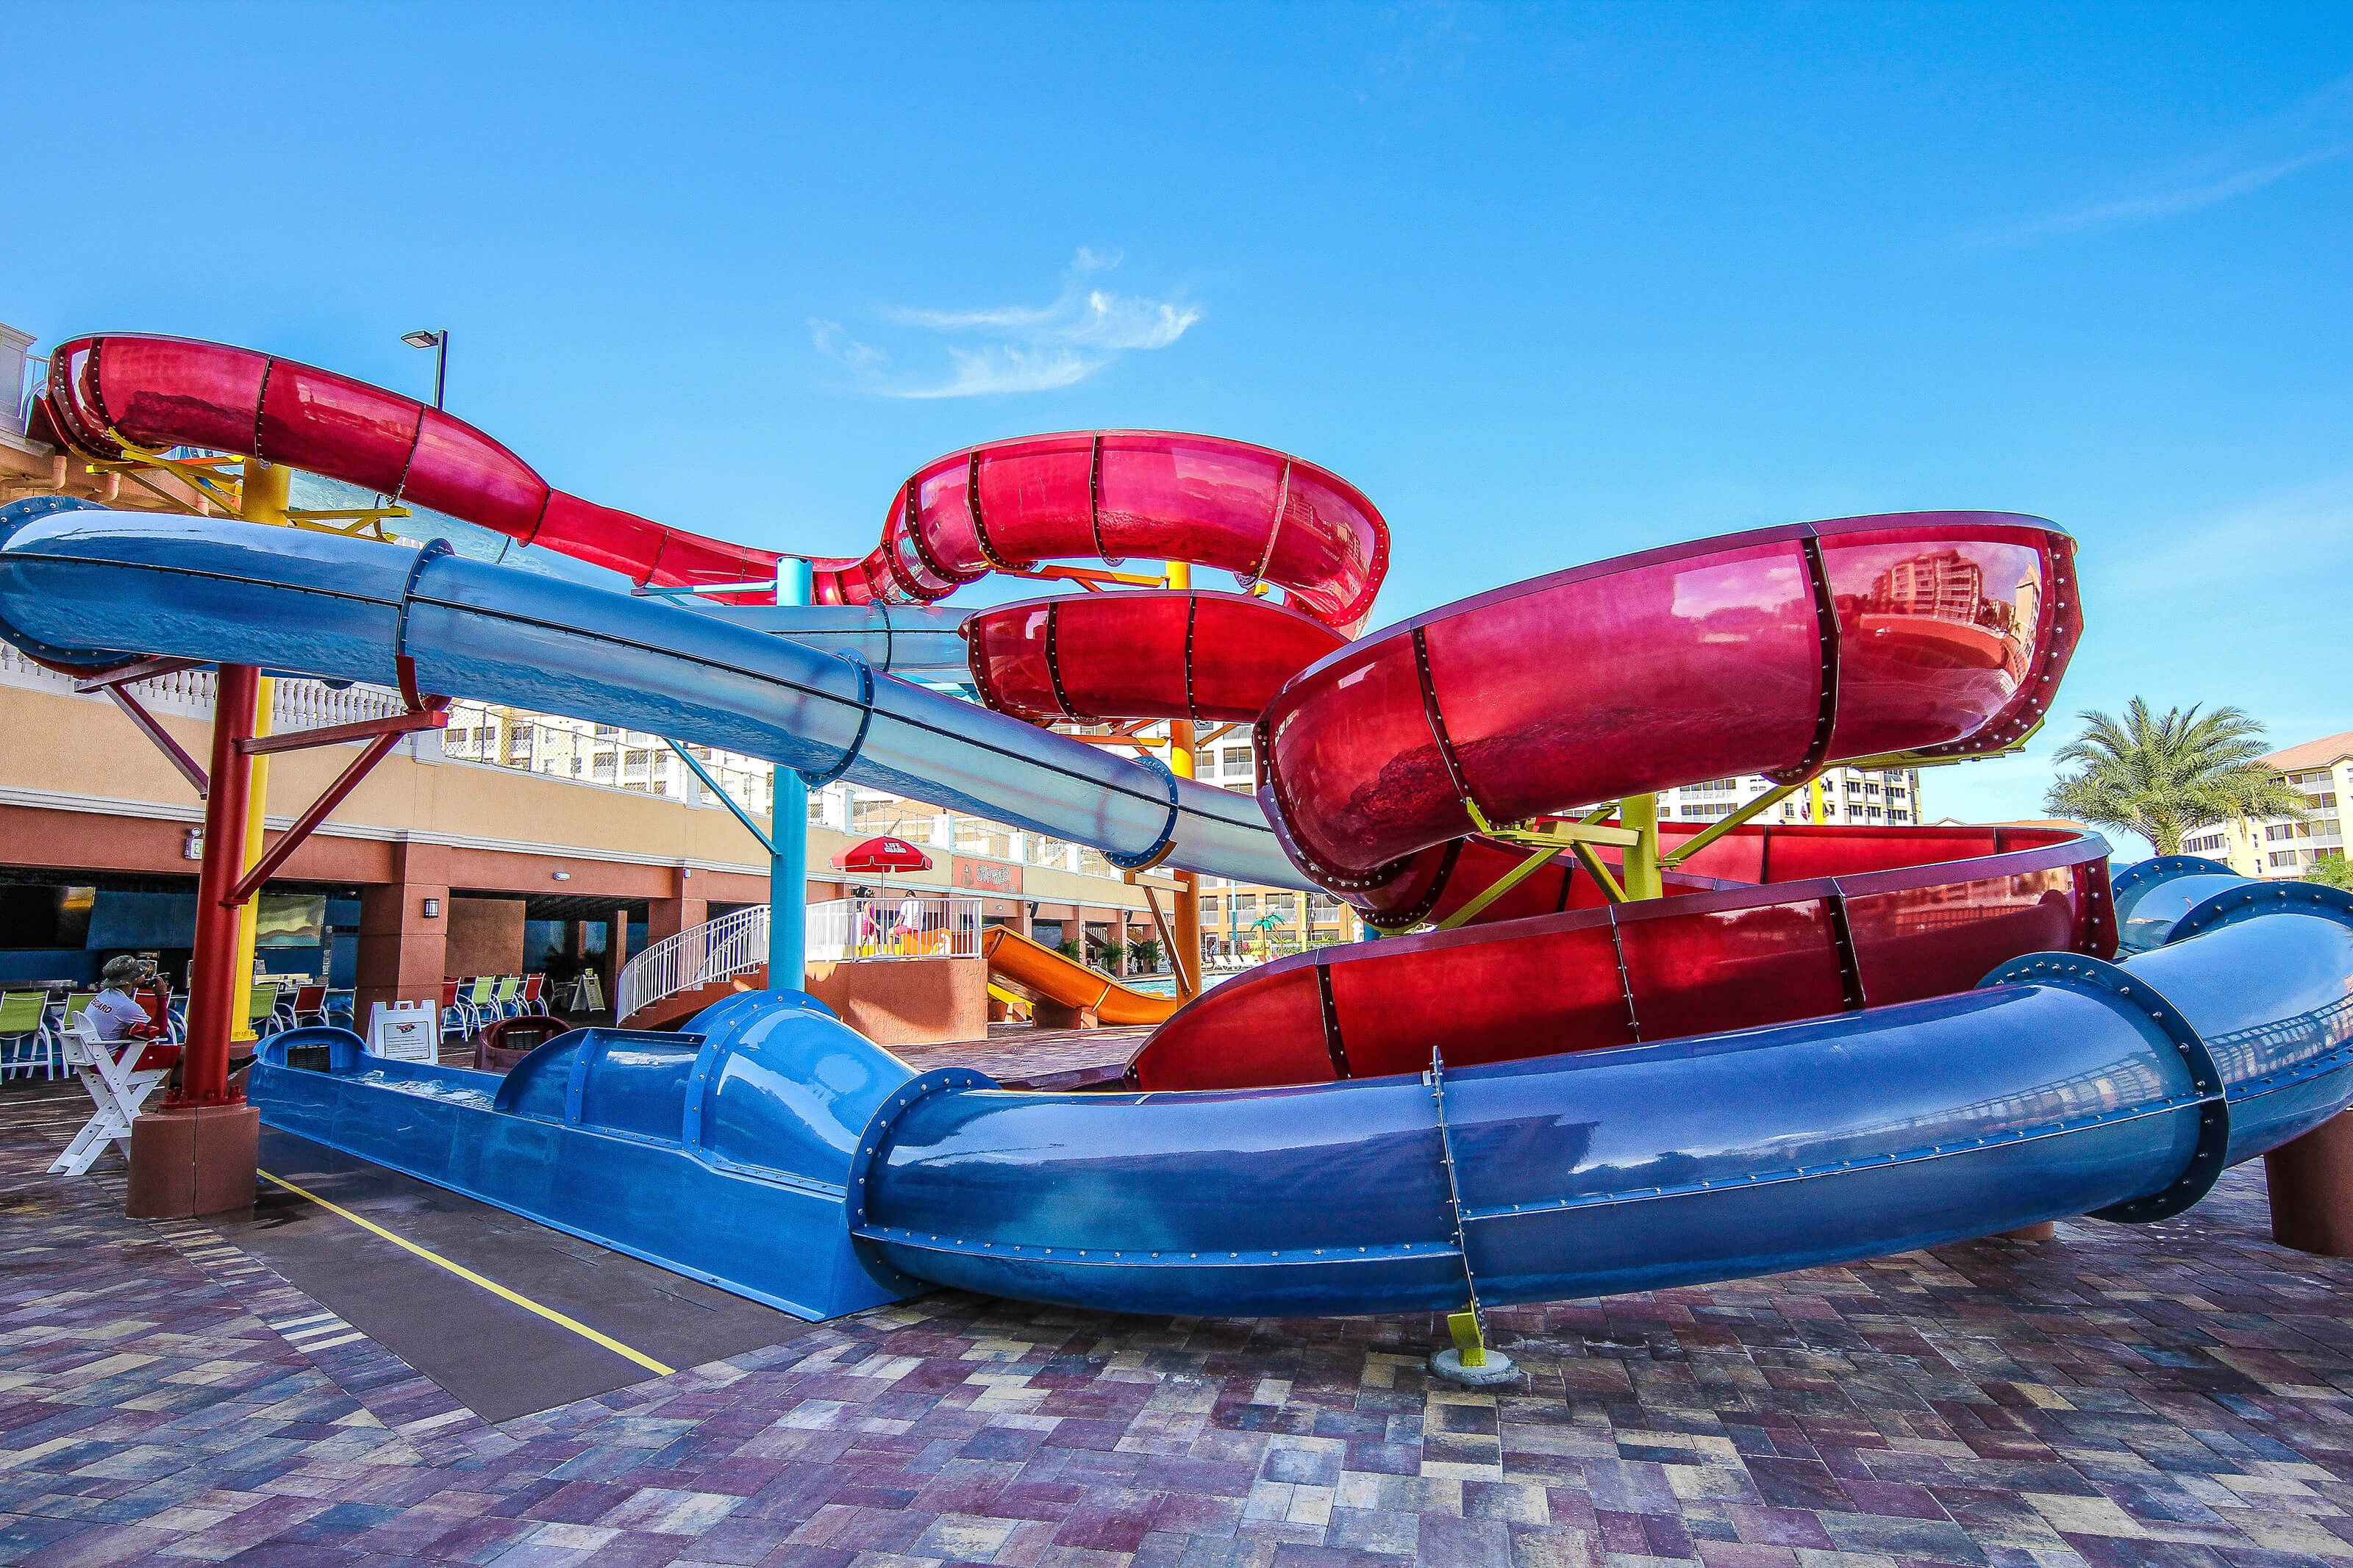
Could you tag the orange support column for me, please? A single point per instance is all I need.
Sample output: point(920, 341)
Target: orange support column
point(195, 1155)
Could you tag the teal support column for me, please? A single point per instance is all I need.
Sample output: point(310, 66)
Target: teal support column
point(789, 834)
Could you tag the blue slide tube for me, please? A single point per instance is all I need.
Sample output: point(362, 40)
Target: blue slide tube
point(88, 586)
point(775, 1152)
point(898, 640)
point(2064, 1086)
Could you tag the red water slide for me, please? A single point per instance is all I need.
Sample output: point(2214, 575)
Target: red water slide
point(1106, 495)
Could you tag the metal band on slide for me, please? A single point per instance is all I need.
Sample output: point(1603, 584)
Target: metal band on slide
point(1167, 839)
point(922, 1086)
point(865, 722)
point(1826, 624)
point(431, 550)
point(2078, 973)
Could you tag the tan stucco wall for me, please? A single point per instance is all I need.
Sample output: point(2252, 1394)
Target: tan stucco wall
point(520, 827)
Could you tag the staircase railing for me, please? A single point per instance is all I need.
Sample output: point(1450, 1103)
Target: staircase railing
point(903, 926)
point(696, 956)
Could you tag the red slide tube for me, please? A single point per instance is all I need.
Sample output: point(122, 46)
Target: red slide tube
point(1102, 657)
point(1106, 495)
point(1851, 925)
point(162, 392)
point(1115, 495)
point(1780, 651)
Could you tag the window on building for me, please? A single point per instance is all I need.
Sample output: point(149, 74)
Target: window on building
point(2283, 857)
point(1236, 760)
point(1245, 902)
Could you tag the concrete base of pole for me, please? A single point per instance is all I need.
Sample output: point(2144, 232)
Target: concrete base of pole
point(192, 1159)
point(2311, 1183)
point(1448, 1364)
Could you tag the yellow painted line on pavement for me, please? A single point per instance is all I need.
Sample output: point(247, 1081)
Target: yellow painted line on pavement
point(468, 1275)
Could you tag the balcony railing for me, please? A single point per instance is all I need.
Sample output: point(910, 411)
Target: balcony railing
point(297, 703)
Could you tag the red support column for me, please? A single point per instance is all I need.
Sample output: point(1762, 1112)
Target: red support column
point(195, 1155)
point(212, 971)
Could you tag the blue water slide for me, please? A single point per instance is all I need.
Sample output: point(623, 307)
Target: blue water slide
point(902, 639)
point(86, 587)
point(772, 1151)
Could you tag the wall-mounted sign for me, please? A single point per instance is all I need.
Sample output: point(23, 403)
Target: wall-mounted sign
point(987, 875)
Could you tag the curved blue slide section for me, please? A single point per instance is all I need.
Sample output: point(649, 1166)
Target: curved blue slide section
point(82, 585)
point(774, 1152)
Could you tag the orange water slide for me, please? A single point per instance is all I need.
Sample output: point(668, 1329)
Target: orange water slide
point(1039, 970)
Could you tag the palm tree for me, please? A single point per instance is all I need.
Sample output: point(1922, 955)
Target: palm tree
point(2165, 778)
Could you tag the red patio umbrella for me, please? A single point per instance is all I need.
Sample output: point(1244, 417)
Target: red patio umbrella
point(882, 855)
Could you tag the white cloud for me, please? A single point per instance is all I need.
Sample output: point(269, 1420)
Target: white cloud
point(2304, 136)
point(2163, 203)
point(1018, 348)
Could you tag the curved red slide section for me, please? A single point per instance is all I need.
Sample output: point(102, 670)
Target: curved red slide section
point(162, 392)
point(1852, 917)
point(1108, 495)
point(1779, 651)
point(1116, 495)
point(1103, 657)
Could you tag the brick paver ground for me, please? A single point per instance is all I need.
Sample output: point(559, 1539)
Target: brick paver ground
point(2180, 1395)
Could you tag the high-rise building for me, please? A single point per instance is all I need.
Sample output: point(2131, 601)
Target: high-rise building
point(1871, 797)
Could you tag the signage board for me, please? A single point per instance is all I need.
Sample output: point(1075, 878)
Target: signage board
point(405, 1031)
point(987, 875)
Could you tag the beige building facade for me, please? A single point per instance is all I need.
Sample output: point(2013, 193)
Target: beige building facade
point(2322, 772)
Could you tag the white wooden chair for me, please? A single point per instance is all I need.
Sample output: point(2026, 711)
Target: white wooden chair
point(115, 1089)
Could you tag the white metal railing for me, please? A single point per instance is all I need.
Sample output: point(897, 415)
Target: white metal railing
point(298, 704)
point(908, 925)
point(732, 944)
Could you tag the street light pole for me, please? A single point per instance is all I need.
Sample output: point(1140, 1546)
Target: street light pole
point(439, 343)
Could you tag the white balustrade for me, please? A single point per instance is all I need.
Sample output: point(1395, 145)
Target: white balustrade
point(909, 926)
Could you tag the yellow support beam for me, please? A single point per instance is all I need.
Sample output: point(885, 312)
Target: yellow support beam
point(1715, 830)
point(1470, 1336)
point(261, 499)
point(1497, 889)
point(1641, 814)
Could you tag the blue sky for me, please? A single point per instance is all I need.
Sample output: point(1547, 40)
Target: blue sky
point(1548, 283)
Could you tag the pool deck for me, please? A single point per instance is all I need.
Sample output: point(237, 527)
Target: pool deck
point(2177, 1395)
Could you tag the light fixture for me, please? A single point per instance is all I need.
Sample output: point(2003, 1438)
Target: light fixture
point(432, 909)
point(439, 343)
point(563, 876)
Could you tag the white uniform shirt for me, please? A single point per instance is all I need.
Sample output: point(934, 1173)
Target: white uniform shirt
point(115, 1013)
